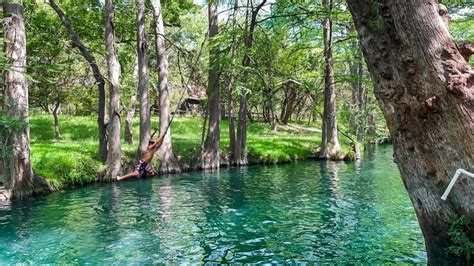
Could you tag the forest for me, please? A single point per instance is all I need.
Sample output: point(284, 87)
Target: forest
point(227, 85)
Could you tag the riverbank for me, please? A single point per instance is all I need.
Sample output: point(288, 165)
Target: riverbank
point(72, 160)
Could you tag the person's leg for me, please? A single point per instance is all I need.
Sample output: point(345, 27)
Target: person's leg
point(149, 171)
point(135, 173)
point(132, 174)
point(150, 174)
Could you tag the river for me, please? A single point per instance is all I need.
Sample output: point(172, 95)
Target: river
point(302, 212)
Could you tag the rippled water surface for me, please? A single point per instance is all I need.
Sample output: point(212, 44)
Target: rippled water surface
point(308, 211)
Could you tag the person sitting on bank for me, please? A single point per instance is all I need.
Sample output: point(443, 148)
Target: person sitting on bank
point(144, 165)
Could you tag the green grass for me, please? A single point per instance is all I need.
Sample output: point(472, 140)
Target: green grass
point(73, 159)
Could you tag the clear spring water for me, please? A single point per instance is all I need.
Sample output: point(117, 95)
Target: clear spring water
point(307, 211)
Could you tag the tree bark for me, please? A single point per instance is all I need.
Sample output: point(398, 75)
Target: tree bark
point(130, 113)
point(330, 148)
point(426, 91)
point(466, 48)
point(128, 134)
point(142, 50)
point(372, 128)
point(20, 179)
point(99, 79)
point(241, 144)
point(57, 133)
point(130, 109)
point(168, 161)
point(114, 156)
point(230, 98)
point(270, 109)
point(290, 104)
point(210, 157)
point(362, 94)
point(358, 94)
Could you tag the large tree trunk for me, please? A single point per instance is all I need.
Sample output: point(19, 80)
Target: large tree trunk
point(168, 161)
point(241, 144)
point(142, 49)
point(20, 179)
point(330, 148)
point(99, 79)
point(210, 157)
point(114, 156)
point(426, 91)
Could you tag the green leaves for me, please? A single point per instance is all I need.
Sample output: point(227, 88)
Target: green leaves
point(459, 233)
point(8, 126)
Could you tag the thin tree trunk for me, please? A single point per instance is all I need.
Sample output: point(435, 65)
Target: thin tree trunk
point(57, 133)
point(270, 104)
point(210, 158)
point(241, 151)
point(114, 156)
point(290, 106)
point(362, 94)
point(269, 110)
point(130, 109)
point(372, 128)
point(353, 122)
point(99, 79)
point(142, 49)
point(284, 104)
point(168, 160)
point(241, 144)
point(425, 89)
point(299, 106)
point(358, 122)
point(204, 127)
point(130, 113)
point(330, 148)
point(20, 179)
point(128, 135)
point(230, 98)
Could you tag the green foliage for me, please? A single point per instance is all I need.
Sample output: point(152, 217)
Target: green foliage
point(462, 23)
point(64, 168)
point(350, 155)
point(72, 160)
point(459, 233)
point(287, 46)
point(8, 126)
point(288, 144)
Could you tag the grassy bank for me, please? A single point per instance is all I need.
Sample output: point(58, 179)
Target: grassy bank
point(72, 159)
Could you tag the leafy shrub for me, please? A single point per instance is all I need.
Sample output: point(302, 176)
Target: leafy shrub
point(66, 169)
point(459, 233)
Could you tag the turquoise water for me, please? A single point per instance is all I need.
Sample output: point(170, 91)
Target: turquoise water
point(302, 212)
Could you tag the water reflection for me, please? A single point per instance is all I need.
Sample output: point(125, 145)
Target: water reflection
point(166, 200)
point(305, 212)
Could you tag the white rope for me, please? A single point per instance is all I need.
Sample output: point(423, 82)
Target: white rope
point(455, 178)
